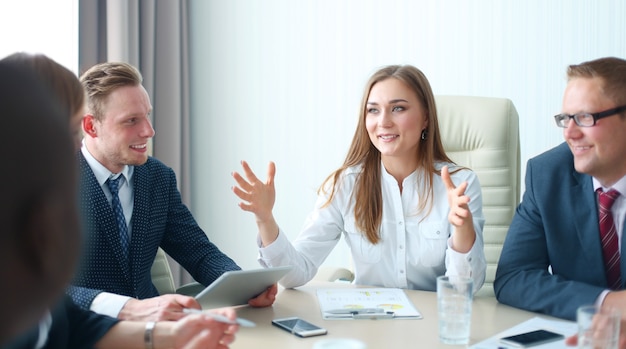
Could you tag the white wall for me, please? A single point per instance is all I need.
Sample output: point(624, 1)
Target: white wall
point(281, 80)
point(41, 26)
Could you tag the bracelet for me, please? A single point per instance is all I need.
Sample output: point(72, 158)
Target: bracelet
point(147, 336)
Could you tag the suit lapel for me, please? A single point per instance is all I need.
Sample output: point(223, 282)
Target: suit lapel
point(94, 199)
point(584, 208)
point(138, 249)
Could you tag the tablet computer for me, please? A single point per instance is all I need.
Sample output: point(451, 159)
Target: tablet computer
point(237, 287)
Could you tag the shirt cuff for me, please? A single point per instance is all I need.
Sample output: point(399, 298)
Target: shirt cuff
point(459, 263)
point(273, 251)
point(601, 297)
point(109, 304)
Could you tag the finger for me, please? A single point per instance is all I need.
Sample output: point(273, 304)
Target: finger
point(243, 195)
point(241, 181)
point(460, 190)
point(186, 302)
point(273, 290)
point(271, 172)
point(227, 339)
point(172, 316)
point(228, 312)
point(447, 181)
point(246, 207)
point(248, 172)
point(266, 298)
point(455, 220)
point(571, 341)
point(461, 211)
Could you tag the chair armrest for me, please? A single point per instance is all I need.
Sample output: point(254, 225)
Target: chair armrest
point(334, 274)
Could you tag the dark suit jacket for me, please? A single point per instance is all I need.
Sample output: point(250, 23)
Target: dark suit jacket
point(555, 225)
point(72, 327)
point(159, 219)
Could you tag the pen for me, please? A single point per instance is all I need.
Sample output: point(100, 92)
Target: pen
point(221, 318)
point(349, 311)
point(366, 313)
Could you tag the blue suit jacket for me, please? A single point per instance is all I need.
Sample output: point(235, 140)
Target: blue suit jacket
point(555, 225)
point(159, 219)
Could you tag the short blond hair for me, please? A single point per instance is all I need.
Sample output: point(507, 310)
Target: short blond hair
point(102, 79)
point(612, 72)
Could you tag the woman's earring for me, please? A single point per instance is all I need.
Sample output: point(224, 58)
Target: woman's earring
point(424, 134)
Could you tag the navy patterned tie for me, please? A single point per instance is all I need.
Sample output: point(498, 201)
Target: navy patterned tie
point(608, 235)
point(119, 212)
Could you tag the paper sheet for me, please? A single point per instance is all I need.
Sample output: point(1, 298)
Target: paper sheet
point(389, 299)
point(566, 328)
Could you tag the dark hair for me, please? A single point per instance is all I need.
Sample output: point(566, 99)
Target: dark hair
point(62, 82)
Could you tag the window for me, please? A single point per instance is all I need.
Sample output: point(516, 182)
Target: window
point(41, 26)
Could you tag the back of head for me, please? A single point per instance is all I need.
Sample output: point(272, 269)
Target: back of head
point(63, 83)
point(38, 214)
point(612, 72)
point(102, 79)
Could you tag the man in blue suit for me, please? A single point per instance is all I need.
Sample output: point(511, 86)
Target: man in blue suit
point(553, 259)
point(127, 222)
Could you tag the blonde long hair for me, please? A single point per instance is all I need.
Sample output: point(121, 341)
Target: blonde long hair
point(368, 208)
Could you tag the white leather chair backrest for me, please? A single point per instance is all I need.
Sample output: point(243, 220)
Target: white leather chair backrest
point(162, 274)
point(482, 133)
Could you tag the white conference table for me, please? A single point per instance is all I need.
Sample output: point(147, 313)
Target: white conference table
point(488, 318)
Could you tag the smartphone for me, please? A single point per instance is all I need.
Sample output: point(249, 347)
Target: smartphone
point(299, 327)
point(529, 339)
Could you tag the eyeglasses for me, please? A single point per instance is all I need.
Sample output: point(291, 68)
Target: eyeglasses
point(585, 119)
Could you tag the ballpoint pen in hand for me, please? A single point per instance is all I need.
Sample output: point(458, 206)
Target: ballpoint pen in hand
point(221, 318)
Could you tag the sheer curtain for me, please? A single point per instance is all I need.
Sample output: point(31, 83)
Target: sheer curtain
point(151, 35)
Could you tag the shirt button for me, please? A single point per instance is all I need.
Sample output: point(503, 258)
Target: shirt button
point(401, 271)
point(400, 223)
point(401, 246)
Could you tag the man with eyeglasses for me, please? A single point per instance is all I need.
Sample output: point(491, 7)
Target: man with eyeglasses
point(563, 245)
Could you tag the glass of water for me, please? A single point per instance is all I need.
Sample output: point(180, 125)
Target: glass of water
point(598, 327)
point(454, 307)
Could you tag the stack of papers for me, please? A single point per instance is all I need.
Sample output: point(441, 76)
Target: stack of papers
point(366, 303)
point(566, 328)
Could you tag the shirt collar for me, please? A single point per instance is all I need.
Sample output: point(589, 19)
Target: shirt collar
point(620, 185)
point(101, 172)
point(44, 328)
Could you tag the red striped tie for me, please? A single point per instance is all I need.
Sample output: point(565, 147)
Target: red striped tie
point(608, 234)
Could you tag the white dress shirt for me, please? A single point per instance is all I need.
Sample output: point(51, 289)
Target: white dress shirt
point(413, 250)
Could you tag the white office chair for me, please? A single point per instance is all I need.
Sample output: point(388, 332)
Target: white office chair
point(163, 279)
point(482, 133)
point(162, 274)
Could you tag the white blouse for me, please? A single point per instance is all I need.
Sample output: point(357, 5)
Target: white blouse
point(413, 249)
